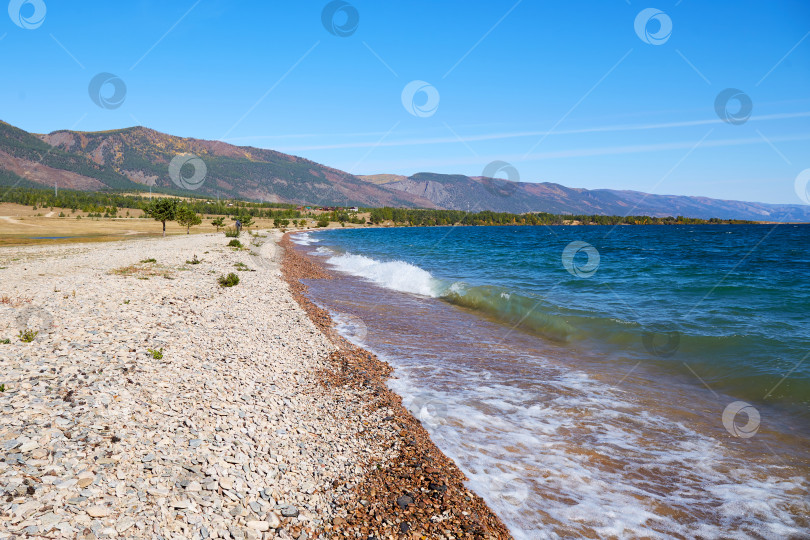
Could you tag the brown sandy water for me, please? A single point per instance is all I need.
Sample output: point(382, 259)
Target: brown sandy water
point(563, 442)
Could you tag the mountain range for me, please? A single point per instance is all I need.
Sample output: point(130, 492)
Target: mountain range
point(139, 158)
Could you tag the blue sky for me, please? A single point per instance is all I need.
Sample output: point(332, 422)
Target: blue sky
point(566, 91)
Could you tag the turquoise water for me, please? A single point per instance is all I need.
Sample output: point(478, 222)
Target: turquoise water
point(731, 301)
point(597, 381)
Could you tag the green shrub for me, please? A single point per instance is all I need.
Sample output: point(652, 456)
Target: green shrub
point(27, 336)
point(145, 261)
point(5, 341)
point(156, 354)
point(323, 223)
point(231, 232)
point(235, 243)
point(2, 387)
point(242, 267)
point(195, 260)
point(228, 281)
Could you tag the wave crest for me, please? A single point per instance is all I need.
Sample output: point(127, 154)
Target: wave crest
point(396, 275)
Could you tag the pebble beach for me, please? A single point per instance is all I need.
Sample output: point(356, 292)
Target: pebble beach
point(152, 402)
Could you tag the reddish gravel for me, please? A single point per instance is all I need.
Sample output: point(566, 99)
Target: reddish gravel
point(421, 492)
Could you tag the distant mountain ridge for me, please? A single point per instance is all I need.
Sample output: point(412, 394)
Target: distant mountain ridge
point(478, 193)
point(138, 158)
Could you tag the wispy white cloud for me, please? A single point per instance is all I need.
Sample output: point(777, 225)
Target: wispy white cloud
point(519, 134)
point(515, 159)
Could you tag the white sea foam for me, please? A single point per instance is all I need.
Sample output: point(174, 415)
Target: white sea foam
point(350, 326)
point(522, 450)
point(396, 275)
point(322, 252)
point(304, 239)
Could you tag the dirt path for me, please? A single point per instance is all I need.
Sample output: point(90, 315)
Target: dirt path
point(16, 221)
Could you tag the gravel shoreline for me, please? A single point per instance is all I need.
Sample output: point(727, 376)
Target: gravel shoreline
point(248, 426)
point(419, 492)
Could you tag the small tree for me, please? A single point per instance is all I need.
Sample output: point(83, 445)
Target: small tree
point(163, 210)
point(219, 222)
point(187, 217)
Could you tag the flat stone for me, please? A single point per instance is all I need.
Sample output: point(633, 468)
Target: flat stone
point(193, 486)
point(404, 501)
point(273, 520)
point(27, 508)
point(259, 525)
point(236, 532)
point(226, 483)
point(49, 520)
point(97, 511)
point(289, 511)
point(124, 524)
point(84, 482)
point(27, 447)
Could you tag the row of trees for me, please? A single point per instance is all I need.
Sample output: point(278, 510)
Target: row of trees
point(165, 210)
point(416, 217)
point(109, 203)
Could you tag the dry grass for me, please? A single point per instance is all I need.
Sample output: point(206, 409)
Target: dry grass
point(21, 225)
point(15, 302)
point(144, 271)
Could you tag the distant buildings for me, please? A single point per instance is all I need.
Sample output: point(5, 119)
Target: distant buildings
point(328, 208)
point(337, 209)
